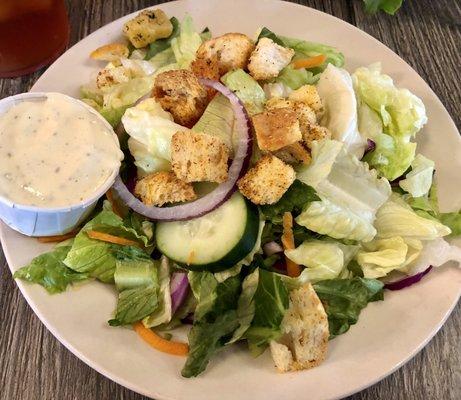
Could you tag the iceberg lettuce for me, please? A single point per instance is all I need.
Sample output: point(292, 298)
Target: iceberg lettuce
point(247, 90)
point(418, 181)
point(402, 115)
point(340, 105)
point(396, 218)
point(187, 43)
point(350, 193)
point(322, 259)
point(150, 129)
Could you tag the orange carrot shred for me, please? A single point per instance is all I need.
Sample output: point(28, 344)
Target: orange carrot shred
point(288, 242)
point(159, 343)
point(310, 62)
point(113, 203)
point(106, 237)
point(58, 238)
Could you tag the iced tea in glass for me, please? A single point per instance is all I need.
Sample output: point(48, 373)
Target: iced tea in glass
point(33, 33)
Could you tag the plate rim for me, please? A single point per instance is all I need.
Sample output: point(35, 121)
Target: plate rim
point(126, 383)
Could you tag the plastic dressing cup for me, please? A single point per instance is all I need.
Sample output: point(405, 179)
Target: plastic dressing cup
point(49, 221)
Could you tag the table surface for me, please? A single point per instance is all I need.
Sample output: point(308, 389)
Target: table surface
point(35, 366)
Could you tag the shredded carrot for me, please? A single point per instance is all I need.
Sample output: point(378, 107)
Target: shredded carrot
point(106, 237)
point(288, 242)
point(58, 238)
point(310, 62)
point(113, 203)
point(159, 343)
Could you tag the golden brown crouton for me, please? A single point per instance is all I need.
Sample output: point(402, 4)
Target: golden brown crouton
point(112, 75)
point(231, 50)
point(180, 93)
point(163, 187)
point(198, 157)
point(207, 68)
point(294, 153)
point(315, 132)
point(267, 181)
point(268, 59)
point(304, 343)
point(276, 128)
point(308, 94)
point(147, 27)
point(110, 52)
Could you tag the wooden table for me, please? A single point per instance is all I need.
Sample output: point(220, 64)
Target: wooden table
point(35, 366)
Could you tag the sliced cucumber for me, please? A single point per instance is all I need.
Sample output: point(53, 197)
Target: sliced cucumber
point(214, 242)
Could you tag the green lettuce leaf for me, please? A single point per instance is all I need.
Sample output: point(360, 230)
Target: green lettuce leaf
point(49, 271)
point(322, 259)
point(306, 49)
point(247, 90)
point(218, 120)
point(215, 319)
point(344, 299)
point(388, 6)
point(381, 256)
point(453, 221)
point(162, 44)
point(267, 33)
point(418, 181)
point(294, 199)
point(187, 43)
point(162, 313)
point(271, 302)
point(150, 129)
point(396, 218)
point(350, 193)
point(295, 78)
point(402, 115)
point(246, 305)
point(97, 258)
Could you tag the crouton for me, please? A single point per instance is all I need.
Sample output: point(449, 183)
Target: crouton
point(278, 102)
point(294, 153)
point(276, 128)
point(267, 181)
point(198, 157)
point(305, 330)
point(315, 132)
point(112, 75)
point(163, 187)
point(308, 94)
point(110, 52)
point(180, 93)
point(207, 68)
point(231, 51)
point(147, 27)
point(268, 59)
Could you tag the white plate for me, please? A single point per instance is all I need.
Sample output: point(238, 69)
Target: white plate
point(388, 334)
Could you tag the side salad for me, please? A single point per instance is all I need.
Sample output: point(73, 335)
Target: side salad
point(267, 194)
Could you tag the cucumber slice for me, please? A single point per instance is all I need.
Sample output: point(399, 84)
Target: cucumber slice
point(214, 242)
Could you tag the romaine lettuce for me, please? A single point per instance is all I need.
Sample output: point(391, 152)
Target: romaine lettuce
point(295, 78)
point(322, 259)
point(49, 270)
point(247, 90)
point(350, 193)
point(187, 43)
point(344, 299)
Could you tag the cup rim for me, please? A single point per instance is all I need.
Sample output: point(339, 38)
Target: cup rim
point(18, 98)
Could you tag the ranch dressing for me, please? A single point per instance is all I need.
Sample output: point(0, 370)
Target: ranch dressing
point(54, 152)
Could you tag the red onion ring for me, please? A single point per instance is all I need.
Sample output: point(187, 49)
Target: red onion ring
point(179, 287)
point(408, 281)
point(218, 196)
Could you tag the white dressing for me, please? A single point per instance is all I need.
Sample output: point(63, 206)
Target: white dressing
point(54, 152)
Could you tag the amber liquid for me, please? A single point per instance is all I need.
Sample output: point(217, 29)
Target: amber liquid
point(32, 34)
